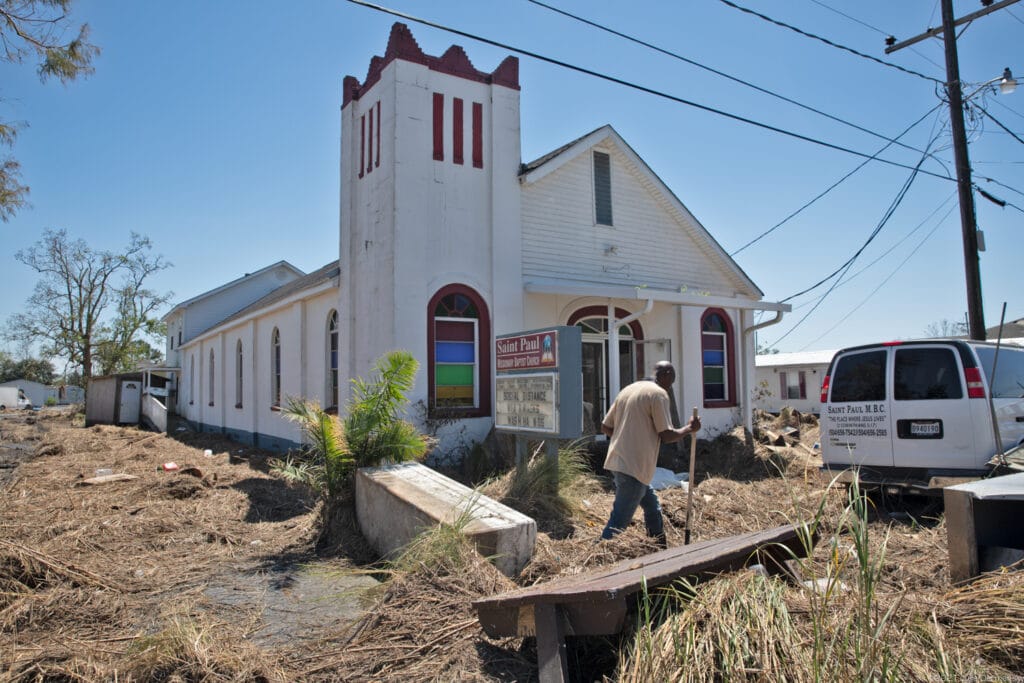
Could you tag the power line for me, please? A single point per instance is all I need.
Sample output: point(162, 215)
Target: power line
point(883, 282)
point(1009, 109)
point(876, 30)
point(830, 187)
point(871, 237)
point(842, 270)
point(853, 19)
point(829, 42)
point(641, 88)
point(998, 123)
point(717, 72)
point(1002, 185)
point(896, 244)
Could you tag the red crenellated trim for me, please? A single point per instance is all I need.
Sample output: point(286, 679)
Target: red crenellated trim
point(438, 127)
point(454, 62)
point(457, 132)
point(478, 135)
point(507, 73)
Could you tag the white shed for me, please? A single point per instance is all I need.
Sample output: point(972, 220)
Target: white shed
point(790, 379)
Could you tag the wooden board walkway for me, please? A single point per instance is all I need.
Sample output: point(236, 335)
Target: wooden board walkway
point(596, 603)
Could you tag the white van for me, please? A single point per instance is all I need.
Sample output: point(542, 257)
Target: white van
point(909, 411)
point(13, 398)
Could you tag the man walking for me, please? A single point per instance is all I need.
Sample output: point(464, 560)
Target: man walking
point(637, 422)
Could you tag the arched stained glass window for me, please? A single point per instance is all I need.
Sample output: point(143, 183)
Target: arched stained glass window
point(719, 376)
point(459, 362)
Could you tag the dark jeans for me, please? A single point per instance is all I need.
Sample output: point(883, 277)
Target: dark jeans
point(629, 494)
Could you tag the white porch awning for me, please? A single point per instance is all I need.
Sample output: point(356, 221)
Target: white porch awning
point(684, 298)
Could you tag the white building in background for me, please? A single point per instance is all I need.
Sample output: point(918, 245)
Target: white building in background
point(34, 391)
point(446, 240)
point(791, 380)
point(39, 394)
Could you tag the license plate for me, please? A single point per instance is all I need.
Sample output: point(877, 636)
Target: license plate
point(925, 428)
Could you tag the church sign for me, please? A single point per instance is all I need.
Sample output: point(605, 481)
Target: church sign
point(528, 351)
point(539, 382)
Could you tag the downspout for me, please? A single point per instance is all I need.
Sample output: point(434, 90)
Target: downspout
point(745, 398)
point(614, 378)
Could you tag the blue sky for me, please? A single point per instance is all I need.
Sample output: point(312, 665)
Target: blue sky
point(213, 127)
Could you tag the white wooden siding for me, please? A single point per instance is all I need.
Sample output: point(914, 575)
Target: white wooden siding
point(652, 245)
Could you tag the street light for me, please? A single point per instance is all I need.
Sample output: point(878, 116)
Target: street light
point(1007, 84)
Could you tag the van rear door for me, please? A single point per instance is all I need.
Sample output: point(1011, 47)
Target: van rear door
point(931, 413)
point(1007, 390)
point(855, 421)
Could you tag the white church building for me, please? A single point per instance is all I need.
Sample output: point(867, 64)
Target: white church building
point(448, 239)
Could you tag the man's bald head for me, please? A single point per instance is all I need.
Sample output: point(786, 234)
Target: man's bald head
point(664, 374)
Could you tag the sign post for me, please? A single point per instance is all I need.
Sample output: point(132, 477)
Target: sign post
point(539, 387)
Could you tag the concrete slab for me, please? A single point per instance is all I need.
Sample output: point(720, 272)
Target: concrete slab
point(982, 529)
point(395, 503)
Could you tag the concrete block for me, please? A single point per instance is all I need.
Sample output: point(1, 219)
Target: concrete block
point(983, 532)
point(395, 503)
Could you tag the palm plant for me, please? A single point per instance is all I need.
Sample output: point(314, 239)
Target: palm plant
point(375, 430)
point(371, 433)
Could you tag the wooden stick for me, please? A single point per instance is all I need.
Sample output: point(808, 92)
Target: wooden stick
point(689, 482)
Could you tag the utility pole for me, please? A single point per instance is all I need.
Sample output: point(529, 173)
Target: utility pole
point(968, 219)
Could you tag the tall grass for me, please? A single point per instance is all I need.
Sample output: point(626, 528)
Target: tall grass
point(444, 547)
point(745, 626)
point(545, 488)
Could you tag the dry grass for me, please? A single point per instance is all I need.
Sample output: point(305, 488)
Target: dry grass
point(88, 574)
point(103, 583)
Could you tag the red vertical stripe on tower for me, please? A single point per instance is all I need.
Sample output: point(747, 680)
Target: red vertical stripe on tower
point(369, 147)
point(438, 127)
point(377, 162)
point(457, 130)
point(362, 143)
point(478, 135)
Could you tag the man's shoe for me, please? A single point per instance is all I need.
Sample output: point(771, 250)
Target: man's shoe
point(661, 541)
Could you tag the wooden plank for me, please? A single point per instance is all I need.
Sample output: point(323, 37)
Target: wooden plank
point(551, 662)
point(627, 574)
point(596, 603)
point(960, 534)
point(107, 479)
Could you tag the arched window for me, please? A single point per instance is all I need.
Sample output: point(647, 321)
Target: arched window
point(332, 360)
point(212, 374)
point(459, 353)
point(593, 324)
point(275, 368)
point(238, 373)
point(718, 359)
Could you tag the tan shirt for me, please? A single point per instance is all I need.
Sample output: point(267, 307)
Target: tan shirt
point(640, 412)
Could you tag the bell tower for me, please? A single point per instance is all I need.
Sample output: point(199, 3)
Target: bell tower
point(430, 156)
